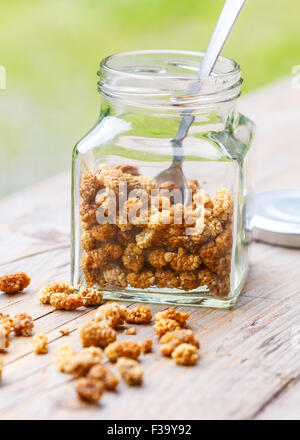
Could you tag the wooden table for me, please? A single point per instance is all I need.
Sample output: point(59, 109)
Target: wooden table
point(250, 356)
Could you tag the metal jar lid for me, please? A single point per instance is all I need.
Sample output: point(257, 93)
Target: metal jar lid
point(277, 217)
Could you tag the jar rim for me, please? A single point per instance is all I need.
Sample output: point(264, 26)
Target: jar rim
point(166, 77)
point(105, 63)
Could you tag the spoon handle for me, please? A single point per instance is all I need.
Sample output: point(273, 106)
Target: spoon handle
point(226, 20)
point(224, 25)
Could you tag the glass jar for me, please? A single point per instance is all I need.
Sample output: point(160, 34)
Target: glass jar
point(146, 238)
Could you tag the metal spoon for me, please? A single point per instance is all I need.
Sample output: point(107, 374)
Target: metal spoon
point(224, 25)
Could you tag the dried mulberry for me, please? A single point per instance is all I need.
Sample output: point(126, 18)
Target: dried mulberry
point(166, 278)
point(7, 321)
point(99, 173)
point(159, 221)
point(176, 236)
point(114, 250)
point(40, 343)
point(171, 313)
point(120, 182)
point(219, 286)
point(170, 340)
point(123, 224)
point(128, 169)
point(185, 354)
point(146, 346)
point(156, 258)
point(80, 363)
point(102, 373)
point(64, 301)
point(112, 313)
point(23, 324)
point(4, 336)
point(88, 214)
point(135, 210)
point(133, 258)
point(90, 297)
point(88, 242)
point(202, 199)
point(182, 261)
point(141, 280)
point(130, 371)
point(223, 266)
point(167, 187)
point(139, 315)
point(64, 331)
point(96, 333)
point(188, 280)
point(95, 259)
point(145, 238)
point(147, 183)
point(89, 186)
point(210, 254)
point(165, 325)
point(14, 282)
point(103, 232)
point(224, 239)
point(89, 389)
point(94, 276)
point(130, 331)
point(193, 185)
point(126, 237)
point(115, 275)
point(55, 287)
point(62, 355)
point(223, 204)
point(118, 349)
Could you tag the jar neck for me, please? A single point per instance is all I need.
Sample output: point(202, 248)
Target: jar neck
point(217, 117)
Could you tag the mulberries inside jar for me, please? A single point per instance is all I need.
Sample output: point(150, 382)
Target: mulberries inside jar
point(137, 238)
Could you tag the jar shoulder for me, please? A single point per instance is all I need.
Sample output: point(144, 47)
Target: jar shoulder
point(236, 140)
point(114, 133)
point(105, 130)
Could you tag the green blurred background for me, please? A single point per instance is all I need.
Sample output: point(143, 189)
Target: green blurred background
point(51, 50)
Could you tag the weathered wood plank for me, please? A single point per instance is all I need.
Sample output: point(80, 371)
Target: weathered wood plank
point(284, 405)
point(226, 369)
point(249, 366)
